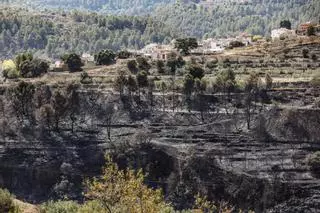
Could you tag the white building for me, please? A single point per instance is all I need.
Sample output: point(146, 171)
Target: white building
point(209, 46)
point(86, 57)
point(157, 51)
point(282, 33)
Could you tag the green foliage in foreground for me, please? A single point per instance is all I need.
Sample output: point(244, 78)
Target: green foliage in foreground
point(6, 202)
point(60, 207)
point(119, 191)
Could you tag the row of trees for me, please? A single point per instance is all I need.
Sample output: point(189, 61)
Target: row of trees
point(104, 57)
point(194, 86)
point(45, 109)
point(39, 105)
point(24, 65)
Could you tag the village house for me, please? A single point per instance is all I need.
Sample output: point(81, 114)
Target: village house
point(211, 46)
point(282, 33)
point(157, 51)
point(87, 59)
point(59, 66)
point(303, 28)
point(245, 38)
point(214, 46)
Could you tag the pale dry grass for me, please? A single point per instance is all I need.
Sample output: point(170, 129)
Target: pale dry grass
point(26, 207)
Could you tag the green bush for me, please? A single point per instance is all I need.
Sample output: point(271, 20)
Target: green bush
point(9, 69)
point(314, 162)
point(234, 44)
point(93, 206)
point(85, 78)
point(10, 73)
point(73, 62)
point(6, 202)
point(60, 207)
point(105, 57)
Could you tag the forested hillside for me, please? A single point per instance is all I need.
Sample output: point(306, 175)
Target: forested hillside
point(132, 7)
point(258, 17)
point(54, 32)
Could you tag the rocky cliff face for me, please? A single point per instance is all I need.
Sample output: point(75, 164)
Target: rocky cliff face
point(263, 169)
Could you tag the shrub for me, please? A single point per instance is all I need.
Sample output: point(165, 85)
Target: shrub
point(314, 57)
point(34, 68)
point(196, 71)
point(132, 66)
point(305, 53)
point(9, 69)
point(6, 202)
point(143, 63)
point(93, 206)
point(10, 74)
point(285, 24)
point(311, 31)
point(20, 58)
point(105, 57)
point(142, 79)
point(59, 207)
point(85, 78)
point(160, 66)
point(73, 62)
point(225, 81)
point(125, 189)
point(234, 44)
point(314, 162)
point(124, 54)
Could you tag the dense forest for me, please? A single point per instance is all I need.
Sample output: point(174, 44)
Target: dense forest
point(54, 32)
point(219, 20)
point(132, 7)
